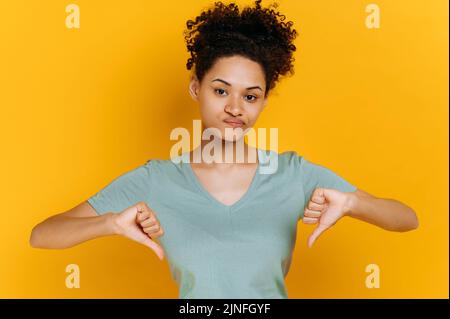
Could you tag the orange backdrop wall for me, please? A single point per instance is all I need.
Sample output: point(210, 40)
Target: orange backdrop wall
point(81, 106)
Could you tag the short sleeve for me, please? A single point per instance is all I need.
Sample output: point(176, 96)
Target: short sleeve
point(123, 191)
point(314, 176)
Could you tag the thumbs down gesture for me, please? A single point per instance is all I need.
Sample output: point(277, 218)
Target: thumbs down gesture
point(325, 207)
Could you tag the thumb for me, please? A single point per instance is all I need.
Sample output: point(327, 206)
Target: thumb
point(316, 233)
point(140, 216)
point(155, 247)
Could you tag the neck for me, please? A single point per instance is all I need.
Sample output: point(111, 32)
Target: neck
point(224, 153)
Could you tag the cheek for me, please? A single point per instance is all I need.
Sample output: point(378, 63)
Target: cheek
point(210, 112)
point(253, 113)
point(209, 104)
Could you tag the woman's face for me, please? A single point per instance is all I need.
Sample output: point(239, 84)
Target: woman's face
point(232, 90)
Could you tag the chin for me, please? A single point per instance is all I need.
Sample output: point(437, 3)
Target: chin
point(233, 134)
point(227, 133)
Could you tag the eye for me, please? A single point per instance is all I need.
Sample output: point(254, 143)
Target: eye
point(220, 91)
point(251, 96)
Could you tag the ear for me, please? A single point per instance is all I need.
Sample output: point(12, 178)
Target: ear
point(194, 87)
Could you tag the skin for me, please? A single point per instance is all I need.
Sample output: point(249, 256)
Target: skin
point(223, 93)
point(227, 182)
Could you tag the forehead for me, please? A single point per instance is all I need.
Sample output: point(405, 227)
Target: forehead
point(237, 70)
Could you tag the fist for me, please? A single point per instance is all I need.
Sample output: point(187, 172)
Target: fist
point(315, 208)
point(325, 208)
point(139, 223)
point(149, 223)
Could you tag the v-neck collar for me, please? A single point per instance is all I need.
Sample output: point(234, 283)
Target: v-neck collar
point(215, 201)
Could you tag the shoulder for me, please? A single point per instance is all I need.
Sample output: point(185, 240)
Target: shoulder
point(280, 163)
point(154, 163)
point(291, 159)
point(296, 163)
point(294, 159)
point(160, 169)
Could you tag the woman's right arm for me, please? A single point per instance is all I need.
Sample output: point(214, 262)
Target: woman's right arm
point(138, 222)
point(70, 228)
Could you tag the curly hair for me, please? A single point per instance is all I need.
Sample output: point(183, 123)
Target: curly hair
point(259, 34)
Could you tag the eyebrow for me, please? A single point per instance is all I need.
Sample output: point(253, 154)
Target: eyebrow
point(225, 82)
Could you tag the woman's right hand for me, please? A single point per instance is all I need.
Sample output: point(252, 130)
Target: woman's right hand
point(131, 223)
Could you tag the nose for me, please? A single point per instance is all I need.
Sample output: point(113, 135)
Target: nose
point(234, 106)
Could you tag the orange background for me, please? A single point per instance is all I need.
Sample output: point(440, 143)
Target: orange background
point(81, 106)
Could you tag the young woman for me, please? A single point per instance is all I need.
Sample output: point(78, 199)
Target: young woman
point(227, 230)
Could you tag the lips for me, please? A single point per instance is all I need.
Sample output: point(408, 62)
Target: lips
point(234, 122)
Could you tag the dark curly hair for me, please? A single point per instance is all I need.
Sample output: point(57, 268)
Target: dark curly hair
point(257, 33)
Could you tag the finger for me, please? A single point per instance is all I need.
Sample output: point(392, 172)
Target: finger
point(310, 220)
point(314, 206)
point(143, 208)
point(142, 215)
point(155, 247)
point(158, 234)
point(151, 229)
point(316, 233)
point(318, 193)
point(312, 213)
point(318, 199)
point(149, 222)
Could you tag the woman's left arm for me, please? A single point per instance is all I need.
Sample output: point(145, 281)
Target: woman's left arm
point(389, 214)
point(326, 206)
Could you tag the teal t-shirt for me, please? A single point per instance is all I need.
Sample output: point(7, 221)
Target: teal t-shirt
point(215, 250)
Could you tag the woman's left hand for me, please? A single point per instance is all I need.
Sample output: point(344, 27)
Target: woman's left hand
point(325, 207)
